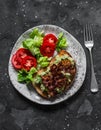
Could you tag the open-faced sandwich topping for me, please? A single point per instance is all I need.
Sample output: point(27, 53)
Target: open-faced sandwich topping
point(58, 76)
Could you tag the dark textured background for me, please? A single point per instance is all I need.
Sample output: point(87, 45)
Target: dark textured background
point(80, 112)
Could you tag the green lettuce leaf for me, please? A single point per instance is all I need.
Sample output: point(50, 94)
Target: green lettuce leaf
point(60, 36)
point(33, 46)
point(36, 32)
point(44, 64)
point(28, 43)
point(35, 51)
point(62, 42)
point(34, 42)
point(26, 76)
point(37, 41)
point(43, 61)
point(22, 74)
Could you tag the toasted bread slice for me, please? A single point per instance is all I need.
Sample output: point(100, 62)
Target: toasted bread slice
point(72, 71)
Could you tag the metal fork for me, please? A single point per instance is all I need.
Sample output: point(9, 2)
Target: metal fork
point(89, 43)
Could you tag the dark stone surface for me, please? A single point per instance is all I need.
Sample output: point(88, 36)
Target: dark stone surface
point(80, 112)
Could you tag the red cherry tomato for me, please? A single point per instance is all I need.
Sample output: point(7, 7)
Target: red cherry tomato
point(47, 49)
point(15, 62)
point(22, 53)
point(28, 62)
point(50, 38)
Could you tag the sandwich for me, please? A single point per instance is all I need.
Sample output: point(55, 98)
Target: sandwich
point(58, 77)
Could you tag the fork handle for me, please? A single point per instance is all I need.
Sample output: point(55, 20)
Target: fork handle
point(94, 85)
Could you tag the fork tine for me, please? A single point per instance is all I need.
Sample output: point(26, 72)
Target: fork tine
point(85, 33)
point(91, 32)
point(88, 34)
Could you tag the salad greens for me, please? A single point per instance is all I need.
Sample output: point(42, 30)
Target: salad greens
point(36, 32)
point(43, 61)
point(62, 43)
point(26, 76)
point(33, 44)
point(36, 42)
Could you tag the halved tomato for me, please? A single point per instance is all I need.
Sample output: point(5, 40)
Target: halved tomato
point(28, 62)
point(47, 49)
point(22, 53)
point(50, 38)
point(15, 62)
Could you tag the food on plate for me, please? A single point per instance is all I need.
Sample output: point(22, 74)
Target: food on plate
point(57, 77)
point(43, 61)
point(16, 64)
point(23, 59)
point(50, 38)
point(47, 49)
point(22, 53)
point(28, 62)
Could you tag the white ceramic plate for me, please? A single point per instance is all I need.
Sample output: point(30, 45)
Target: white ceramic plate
point(74, 48)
